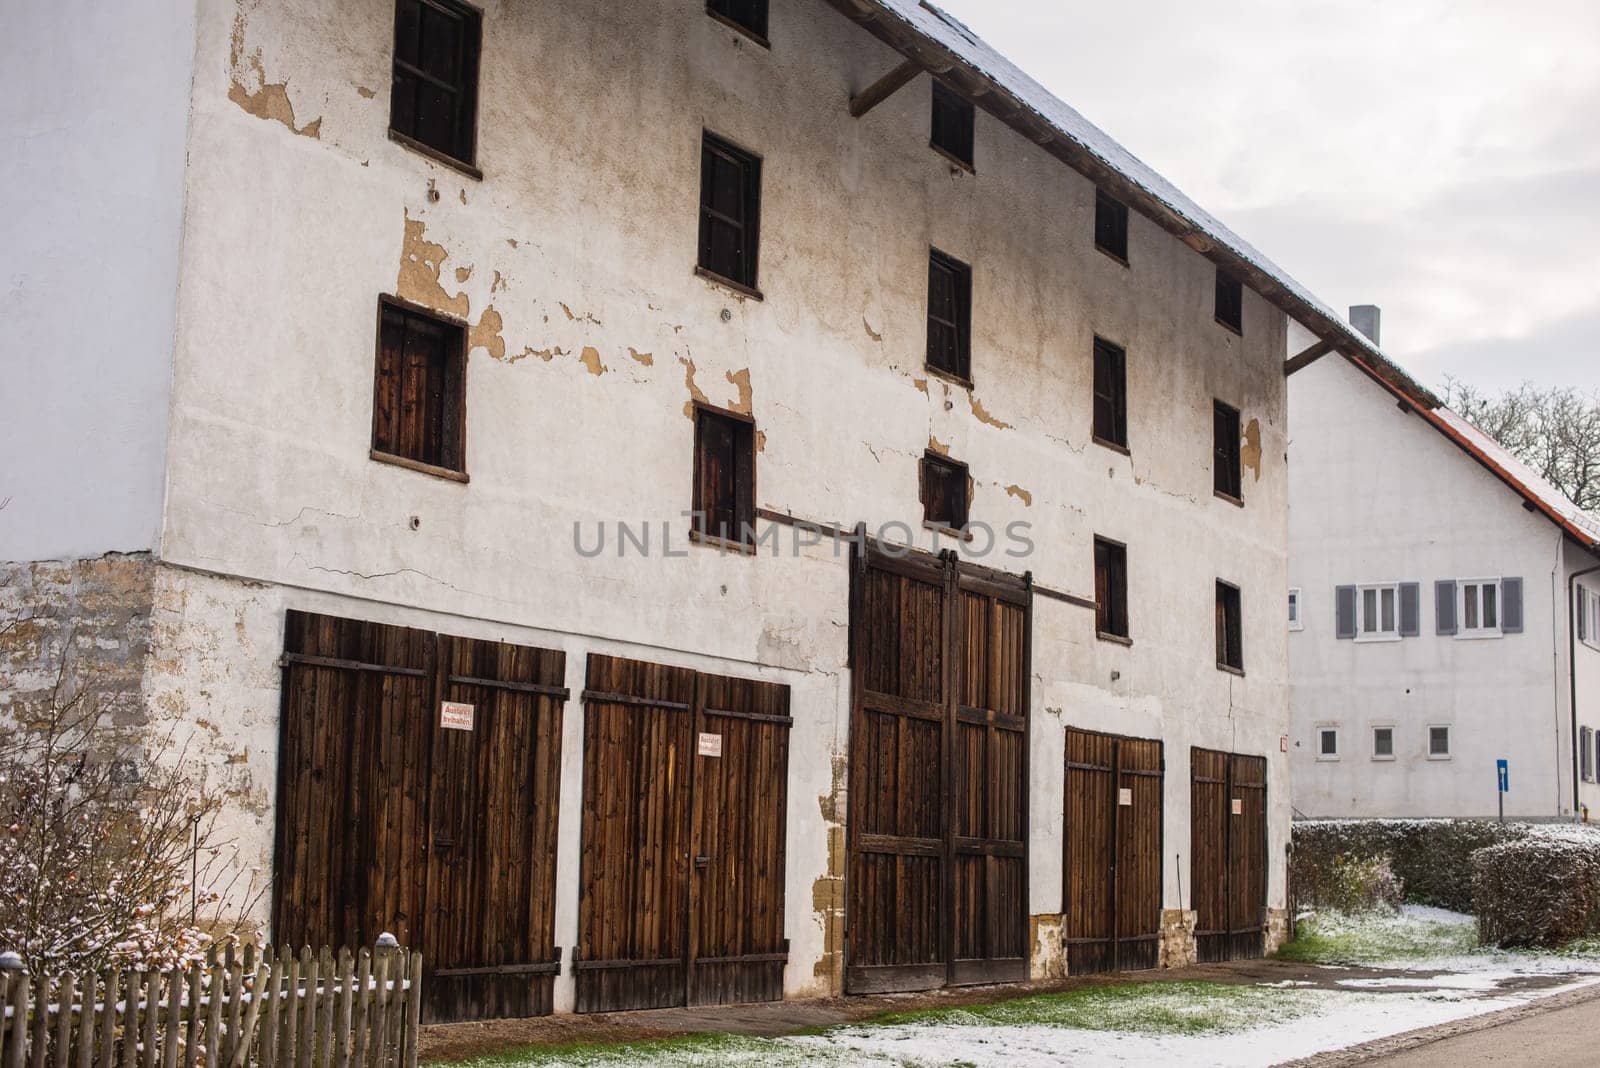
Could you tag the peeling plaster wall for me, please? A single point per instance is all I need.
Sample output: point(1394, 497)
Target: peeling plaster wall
point(92, 129)
point(1380, 496)
point(591, 339)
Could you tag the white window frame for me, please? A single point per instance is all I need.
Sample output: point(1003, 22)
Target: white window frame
point(1586, 754)
point(1480, 631)
point(1297, 609)
point(1377, 589)
point(1383, 757)
point(1333, 729)
point(1449, 741)
point(1589, 606)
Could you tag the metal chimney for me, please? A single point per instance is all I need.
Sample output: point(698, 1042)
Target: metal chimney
point(1365, 318)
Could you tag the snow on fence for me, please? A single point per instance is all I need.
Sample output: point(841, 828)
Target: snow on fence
point(307, 1011)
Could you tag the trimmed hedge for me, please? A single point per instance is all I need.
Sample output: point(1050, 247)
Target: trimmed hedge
point(1431, 858)
point(1543, 890)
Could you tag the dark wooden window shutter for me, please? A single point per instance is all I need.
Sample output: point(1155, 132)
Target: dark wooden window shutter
point(1230, 627)
point(730, 211)
point(418, 405)
point(949, 315)
point(1226, 475)
point(434, 98)
point(952, 122)
point(1111, 588)
point(724, 477)
point(748, 15)
point(1230, 303)
point(944, 491)
point(1110, 225)
point(1110, 393)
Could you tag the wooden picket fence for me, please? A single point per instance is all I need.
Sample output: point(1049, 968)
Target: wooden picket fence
point(241, 1009)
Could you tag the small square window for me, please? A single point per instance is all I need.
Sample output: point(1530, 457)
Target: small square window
point(949, 315)
point(1110, 225)
point(944, 492)
point(434, 98)
point(418, 406)
point(1383, 743)
point(747, 15)
point(730, 211)
point(1327, 743)
point(1110, 394)
point(1111, 588)
point(1294, 610)
point(724, 477)
point(1439, 743)
point(1230, 303)
point(1227, 477)
point(1230, 629)
point(952, 123)
point(1480, 608)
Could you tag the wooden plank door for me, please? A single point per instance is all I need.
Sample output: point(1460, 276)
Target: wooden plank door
point(681, 882)
point(989, 800)
point(738, 948)
point(1228, 832)
point(489, 943)
point(936, 880)
point(896, 911)
point(633, 931)
point(1112, 891)
point(352, 782)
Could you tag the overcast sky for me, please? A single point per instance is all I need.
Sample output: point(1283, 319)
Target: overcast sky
point(1439, 158)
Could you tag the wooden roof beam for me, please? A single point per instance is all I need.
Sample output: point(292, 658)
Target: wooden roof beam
point(1307, 356)
point(883, 88)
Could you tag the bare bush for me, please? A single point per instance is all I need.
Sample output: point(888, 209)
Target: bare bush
point(107, 859)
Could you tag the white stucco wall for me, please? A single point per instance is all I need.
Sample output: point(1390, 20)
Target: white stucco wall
point(590, 337)
point(93, 116)
point(1377, 496)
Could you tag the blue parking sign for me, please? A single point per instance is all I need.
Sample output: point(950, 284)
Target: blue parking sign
point(1503, 775)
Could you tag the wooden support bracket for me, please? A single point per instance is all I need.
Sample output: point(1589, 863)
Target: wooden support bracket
point(883, 88)
point(1307, 356)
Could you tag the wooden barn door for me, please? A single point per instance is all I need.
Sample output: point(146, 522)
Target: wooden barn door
point(1112, 890)
point(685, 780)
point(394, 816)
point(1229, 843)
point(990, 792)
point(937, 833)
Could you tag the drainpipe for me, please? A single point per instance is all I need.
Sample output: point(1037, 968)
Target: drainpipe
point(1572, 670)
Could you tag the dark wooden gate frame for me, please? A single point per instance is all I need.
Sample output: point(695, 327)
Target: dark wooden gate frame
point(956, 575)
point(1117, 772)
point(1230, 933)
point(692, 884)
point(439, 681)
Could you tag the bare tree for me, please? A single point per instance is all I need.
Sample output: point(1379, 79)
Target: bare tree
point(1554, 430)
point(106, 859)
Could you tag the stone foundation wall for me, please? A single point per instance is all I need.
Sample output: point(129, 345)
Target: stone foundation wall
point(1178, 946)
point(1049, 958)
point(1277, 929)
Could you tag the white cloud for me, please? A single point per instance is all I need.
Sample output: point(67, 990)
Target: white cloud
point(1436, 157)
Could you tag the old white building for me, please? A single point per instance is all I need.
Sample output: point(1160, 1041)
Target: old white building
point(1444, 612)
point(345, 338)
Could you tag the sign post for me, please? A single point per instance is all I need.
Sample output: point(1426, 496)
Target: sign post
point(1504, 779)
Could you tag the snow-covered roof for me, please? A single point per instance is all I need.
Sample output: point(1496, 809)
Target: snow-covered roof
point(944, 44)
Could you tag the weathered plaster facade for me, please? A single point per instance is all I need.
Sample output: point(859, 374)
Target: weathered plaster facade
point(590, 339)
point(1380, 496)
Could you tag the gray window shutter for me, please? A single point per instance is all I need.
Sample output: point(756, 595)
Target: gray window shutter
point(1410, 609)
point(1583, 614)
point(1444, 605)
point(1511, 606)
point(1344, 610)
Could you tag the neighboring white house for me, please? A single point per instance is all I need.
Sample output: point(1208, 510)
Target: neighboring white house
point(1442, 611)
point(329, 378)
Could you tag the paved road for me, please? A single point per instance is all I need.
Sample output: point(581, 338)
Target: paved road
point(1561, 1038)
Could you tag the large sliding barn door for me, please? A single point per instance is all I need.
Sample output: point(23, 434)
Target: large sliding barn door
point(439, 829)
point(937, 875)
point(1229, 831)
point(685, 785)
point(1112, 888)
